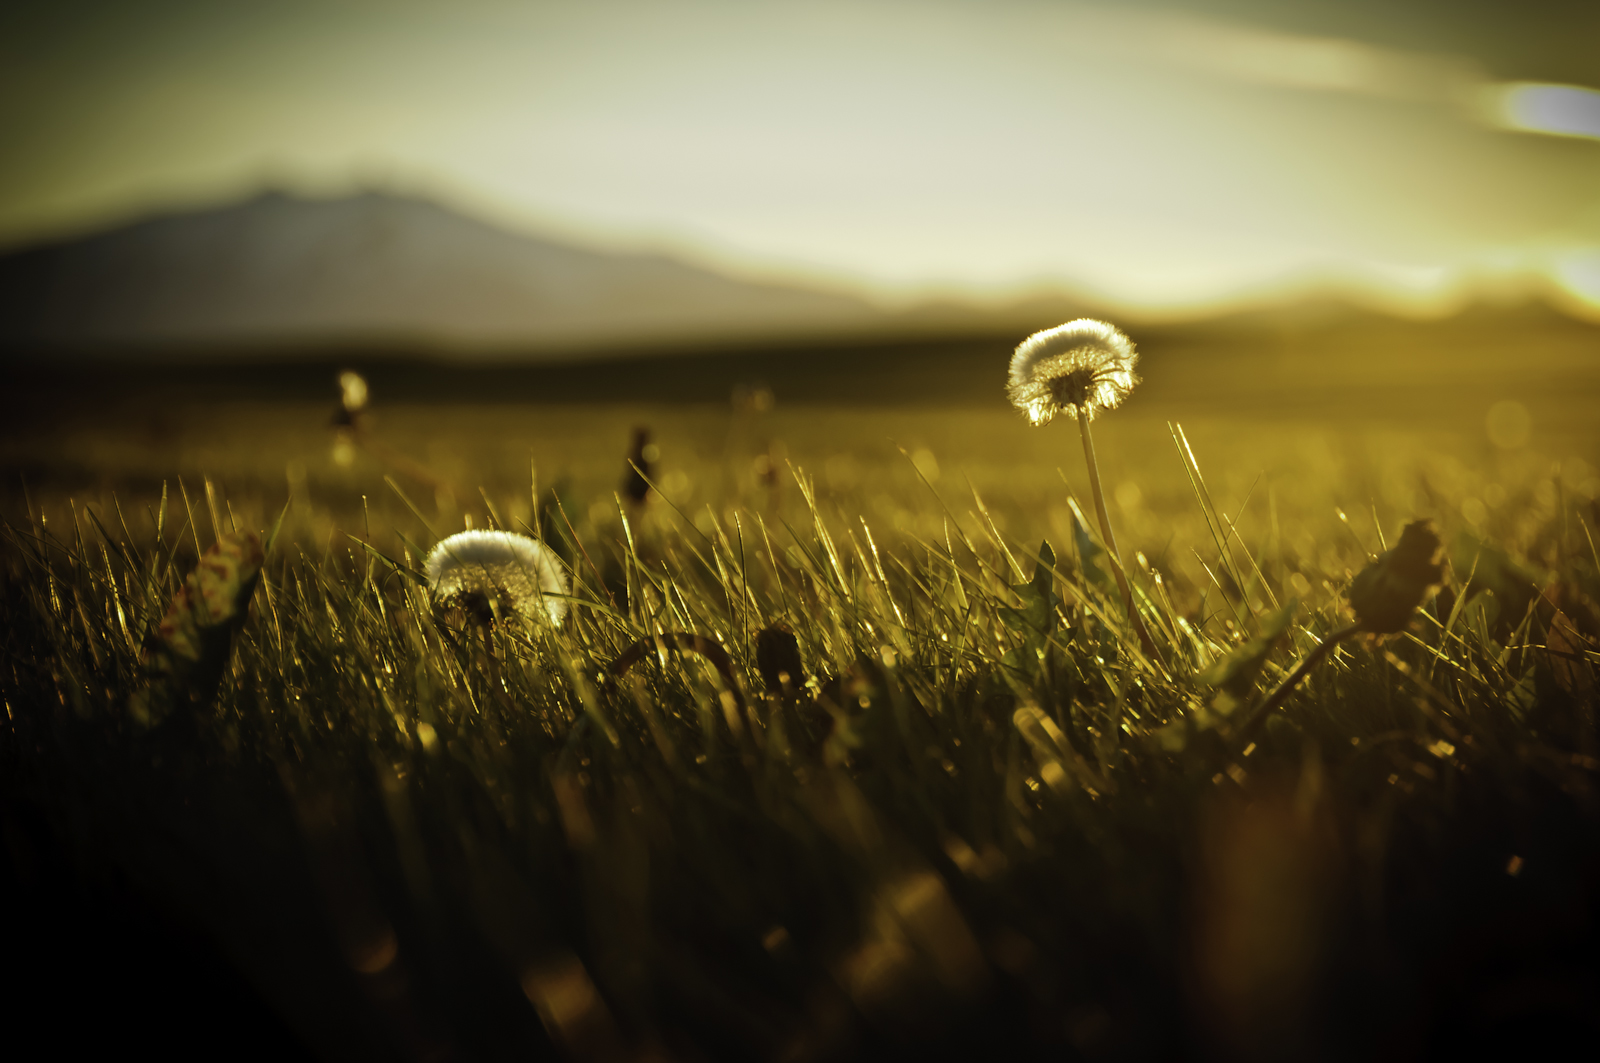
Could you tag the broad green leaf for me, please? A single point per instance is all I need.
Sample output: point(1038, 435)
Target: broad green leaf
point(1092, 557)
point(1234, 675)
point(1035, 618)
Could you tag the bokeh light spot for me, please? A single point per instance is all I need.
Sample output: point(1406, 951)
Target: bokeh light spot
point(1509, 424)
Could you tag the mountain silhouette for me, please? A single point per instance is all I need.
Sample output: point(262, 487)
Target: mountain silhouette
point(385, 269)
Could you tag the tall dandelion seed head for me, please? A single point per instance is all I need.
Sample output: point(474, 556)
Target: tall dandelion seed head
point(1084, 364)
point(474, 569)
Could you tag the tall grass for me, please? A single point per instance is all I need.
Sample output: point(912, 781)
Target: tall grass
point(983, 817)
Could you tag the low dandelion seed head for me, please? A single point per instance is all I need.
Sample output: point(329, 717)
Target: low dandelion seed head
point(1084, 364)
point(514, 571)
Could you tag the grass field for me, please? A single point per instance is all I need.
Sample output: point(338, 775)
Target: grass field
point(981, 818)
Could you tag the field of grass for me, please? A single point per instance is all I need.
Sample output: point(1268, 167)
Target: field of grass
point(980, 818)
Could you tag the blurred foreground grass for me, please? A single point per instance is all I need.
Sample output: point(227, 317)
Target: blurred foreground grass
point(977, 820)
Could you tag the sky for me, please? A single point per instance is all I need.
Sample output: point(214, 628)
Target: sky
point(1163, 157)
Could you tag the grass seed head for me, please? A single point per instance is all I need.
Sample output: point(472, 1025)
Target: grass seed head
point(472, 569)
point(1084, 364)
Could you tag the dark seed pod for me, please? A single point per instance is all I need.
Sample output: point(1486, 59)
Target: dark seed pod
point(636, 478)
point(778, 659)
point(1387, 592)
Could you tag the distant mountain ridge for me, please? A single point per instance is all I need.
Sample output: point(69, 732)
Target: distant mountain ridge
point(384, 273)
point(380, 268)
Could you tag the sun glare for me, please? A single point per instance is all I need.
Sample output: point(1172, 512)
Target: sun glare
point(1555, 110)
point(1579, 276)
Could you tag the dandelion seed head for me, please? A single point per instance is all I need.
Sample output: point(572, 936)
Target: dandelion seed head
point(513, 571)
point(1085, 364)
point(352, 391)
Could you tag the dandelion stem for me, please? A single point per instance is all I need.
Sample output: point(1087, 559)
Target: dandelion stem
point(1106, 533)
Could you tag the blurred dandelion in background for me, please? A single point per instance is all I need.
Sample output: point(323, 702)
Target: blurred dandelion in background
point(496, 573)
point(753, 398)
point(347, 417)
point(352, 424)
point(352, 392)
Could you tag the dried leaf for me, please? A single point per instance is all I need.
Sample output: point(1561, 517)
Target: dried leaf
point(186, 655)
point(1387, 592)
